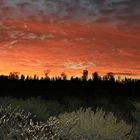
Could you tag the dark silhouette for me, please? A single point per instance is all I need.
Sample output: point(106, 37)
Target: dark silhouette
point(64, 76)
point(109, 77)
point(85, 75)
point(14, 75)
point(46, 72)
point(96, 77)
point(55, 87)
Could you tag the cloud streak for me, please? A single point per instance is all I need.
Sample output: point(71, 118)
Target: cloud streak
point(114, 12)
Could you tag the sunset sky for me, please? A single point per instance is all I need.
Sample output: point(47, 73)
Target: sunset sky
point(69, 36)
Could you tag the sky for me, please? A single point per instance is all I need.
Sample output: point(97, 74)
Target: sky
point(70, 36)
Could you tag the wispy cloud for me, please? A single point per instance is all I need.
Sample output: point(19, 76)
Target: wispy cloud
point(78, 65)
point(110, 11)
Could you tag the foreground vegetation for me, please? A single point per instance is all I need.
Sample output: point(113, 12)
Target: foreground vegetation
point(79, 125)
point(37, 119)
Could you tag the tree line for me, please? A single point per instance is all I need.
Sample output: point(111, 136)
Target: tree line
point(110, 77)
point(21, 86)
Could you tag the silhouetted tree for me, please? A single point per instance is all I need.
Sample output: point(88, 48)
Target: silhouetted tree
point(3, 77)
point(46, 72)
point(109, 77)
point(14, 75)
point(96, 77)
point(85, 75)
point(36, 77)
point(22, 77)
point(27, 78)
point(64, 76)
point(71, 78)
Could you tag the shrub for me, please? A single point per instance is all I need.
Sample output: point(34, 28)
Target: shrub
point(43, 109)
point(136, 115)
point(73, 104)
point(15, 124)
point(89, 125)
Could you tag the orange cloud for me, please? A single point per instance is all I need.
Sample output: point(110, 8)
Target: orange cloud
point(32, 46)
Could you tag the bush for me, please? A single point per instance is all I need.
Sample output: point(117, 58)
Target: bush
point(15, 124)
point(89, 125)
point(36, 106)
point(136, 115)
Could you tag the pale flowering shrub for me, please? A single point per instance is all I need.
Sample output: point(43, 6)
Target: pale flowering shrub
point(15, 124)
point(89, 125)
